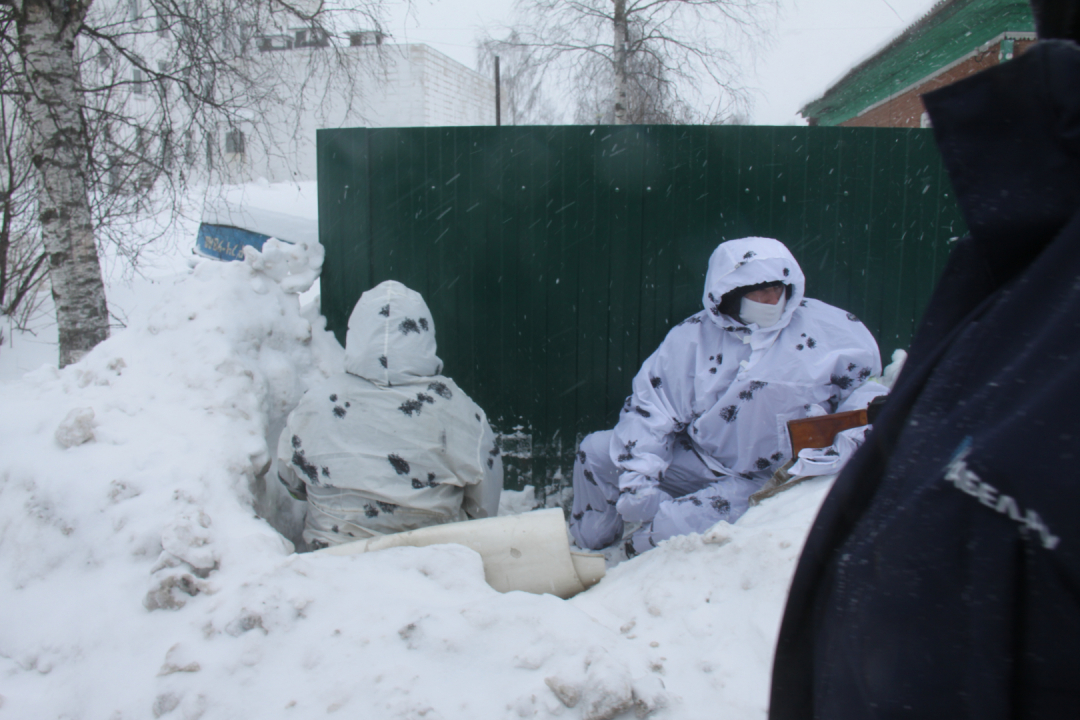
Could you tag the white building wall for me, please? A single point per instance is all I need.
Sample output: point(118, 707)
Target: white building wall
point(414, 86)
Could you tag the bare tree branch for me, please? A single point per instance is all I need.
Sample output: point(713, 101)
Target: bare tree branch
point(638, 61)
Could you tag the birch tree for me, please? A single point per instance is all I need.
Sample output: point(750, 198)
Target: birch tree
point(638, 61)
point(125, 102)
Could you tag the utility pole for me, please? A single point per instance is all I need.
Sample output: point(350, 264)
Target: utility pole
point(498, 95)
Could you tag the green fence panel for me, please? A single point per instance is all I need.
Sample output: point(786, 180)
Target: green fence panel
point(555, 259)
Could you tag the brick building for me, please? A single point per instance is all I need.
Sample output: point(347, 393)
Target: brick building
point(956, 38)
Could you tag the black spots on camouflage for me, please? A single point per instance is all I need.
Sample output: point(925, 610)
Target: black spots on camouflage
point(642, 411)
point(628, 548)
point(382, 360)
point(411, 407)
point(385, 311)
point(762, 463)
point(693, 500)
point(753, 387)
point(424, 324)
point(440, 389)
point(477, 416)
point(579, 515)
point(494, 451)
point(325, 471)
point(333, 398)
point(612, 503)
point(787, 272)
point(318, 544)
point(491, 462)
point(655, 381)
point(628, 491)
point(401, 466)
point(431, 480)
point(841, 381)
point(799, 346)
point(408, 325)
point(581, 456)
point(811, 343)
point(802, 304)
point(589, 508)
point(740, 264)
point(832, 452)
point(694, 319)
point(729, 413)
point(334, 528)
point(386, 507)
point(720, 505)
point(684, 441)
point(306, 466)
point(851, 366)
point(749, 254)
point(852, 317)
point(370, 511)
point(712, 299)
point(777, 456)
point(628, 451)
point(296, 441)
point(589, 476)
point(712, 371)
point(339, 412)
point(865, 373)
point(417, 485)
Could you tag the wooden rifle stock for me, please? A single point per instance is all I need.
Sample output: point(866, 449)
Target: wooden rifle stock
point(820, 431)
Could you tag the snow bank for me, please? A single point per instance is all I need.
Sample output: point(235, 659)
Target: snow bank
point(137, 578)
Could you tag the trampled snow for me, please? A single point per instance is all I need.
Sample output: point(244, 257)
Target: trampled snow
point(138, 580)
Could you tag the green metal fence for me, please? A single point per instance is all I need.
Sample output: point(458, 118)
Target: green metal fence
point(555, 259)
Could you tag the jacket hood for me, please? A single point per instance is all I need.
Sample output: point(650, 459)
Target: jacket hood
point(391, 337)
point(746, 262)
point(1010, 140)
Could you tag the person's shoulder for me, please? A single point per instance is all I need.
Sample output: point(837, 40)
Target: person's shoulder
point(811, 308)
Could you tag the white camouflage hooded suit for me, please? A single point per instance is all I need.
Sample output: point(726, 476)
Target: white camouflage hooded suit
point(389, 445)
point(706, 424)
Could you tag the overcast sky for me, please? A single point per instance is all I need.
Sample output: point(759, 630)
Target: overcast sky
point(814, 42)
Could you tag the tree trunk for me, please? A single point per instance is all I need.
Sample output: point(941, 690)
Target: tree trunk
point(621, 36)
point(47, 30)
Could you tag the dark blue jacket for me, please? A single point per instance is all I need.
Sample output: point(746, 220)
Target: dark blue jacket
point(941, 578)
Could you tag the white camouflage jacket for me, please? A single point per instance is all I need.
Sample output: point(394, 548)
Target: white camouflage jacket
point(729, 389)
point(389, 445)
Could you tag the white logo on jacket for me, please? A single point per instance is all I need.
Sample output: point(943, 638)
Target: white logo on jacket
point(967, 481)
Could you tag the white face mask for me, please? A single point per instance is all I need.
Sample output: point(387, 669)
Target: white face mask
point(763, 314)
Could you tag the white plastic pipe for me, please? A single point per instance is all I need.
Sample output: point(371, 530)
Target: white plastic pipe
point(527, 552)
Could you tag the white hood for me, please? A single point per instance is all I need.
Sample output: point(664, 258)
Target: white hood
point(391, 337)
point(751, 261)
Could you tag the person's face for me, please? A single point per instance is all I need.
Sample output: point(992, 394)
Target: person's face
point(766, 296)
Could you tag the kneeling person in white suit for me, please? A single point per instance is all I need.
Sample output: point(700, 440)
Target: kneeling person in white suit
point(389, 445)
point(705, 426)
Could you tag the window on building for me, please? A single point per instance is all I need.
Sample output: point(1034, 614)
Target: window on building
point(234, 142)
point(138, 84)
point(134, 10)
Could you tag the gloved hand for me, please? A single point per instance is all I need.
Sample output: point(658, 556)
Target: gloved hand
point(639, 497)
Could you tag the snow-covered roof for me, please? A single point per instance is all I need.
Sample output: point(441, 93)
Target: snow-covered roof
point(951, 30)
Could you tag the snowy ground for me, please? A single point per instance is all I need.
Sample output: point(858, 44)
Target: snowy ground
point(137, 578)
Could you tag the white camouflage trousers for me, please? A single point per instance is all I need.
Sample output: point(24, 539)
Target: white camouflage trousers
point(701, 498)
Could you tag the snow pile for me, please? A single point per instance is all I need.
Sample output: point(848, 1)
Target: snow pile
point(137, 579)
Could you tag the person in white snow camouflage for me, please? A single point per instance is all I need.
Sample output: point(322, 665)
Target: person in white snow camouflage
point(389, 445)
point(706, 424)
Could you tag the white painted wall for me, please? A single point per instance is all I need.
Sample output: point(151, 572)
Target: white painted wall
point(399, 86)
